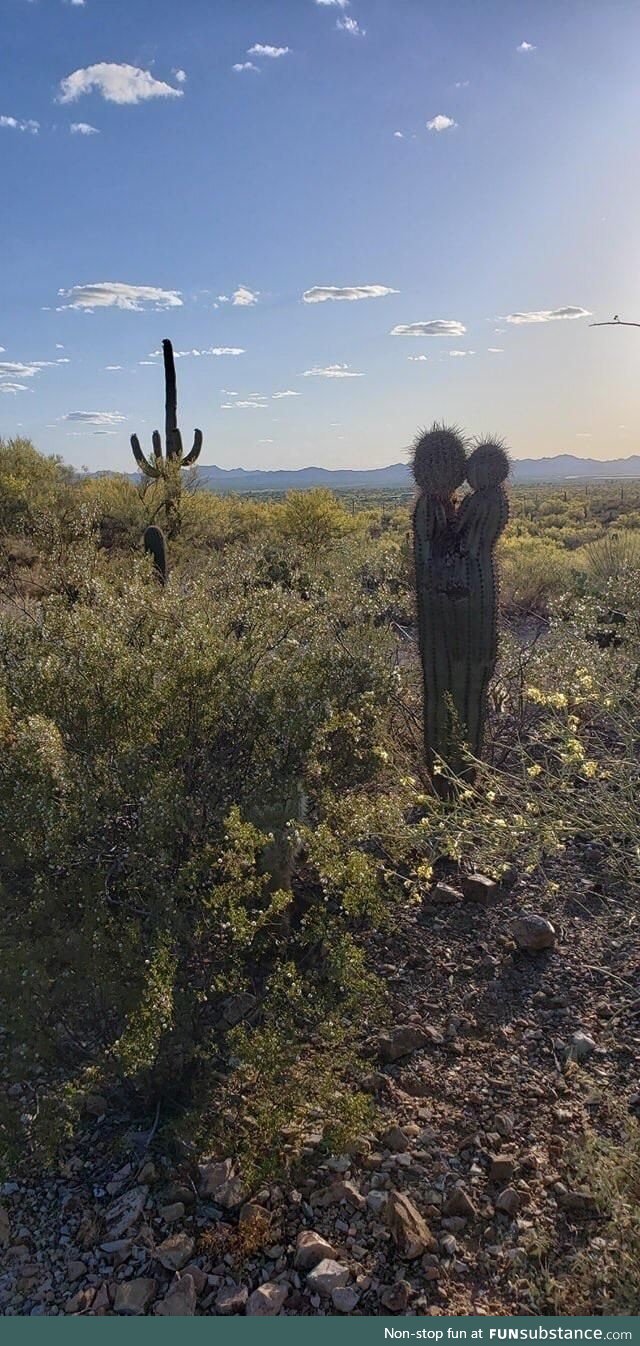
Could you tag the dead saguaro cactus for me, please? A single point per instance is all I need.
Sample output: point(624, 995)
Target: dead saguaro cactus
point(166, 466)
point(155, 546)
point(457, 591)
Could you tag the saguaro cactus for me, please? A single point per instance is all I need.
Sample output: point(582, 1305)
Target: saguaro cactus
point(166, 467)
point(456, 582)
point(155, 546)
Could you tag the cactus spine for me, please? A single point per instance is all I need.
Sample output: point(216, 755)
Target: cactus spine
point(456, 582)
point(166, 467)
point(155, 546)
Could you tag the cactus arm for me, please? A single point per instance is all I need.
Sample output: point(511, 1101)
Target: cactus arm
point(157, 446)
point(145, 466)
point(155, 546)
point(194, 453)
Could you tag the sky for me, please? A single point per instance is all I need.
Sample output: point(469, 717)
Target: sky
point(351, 217)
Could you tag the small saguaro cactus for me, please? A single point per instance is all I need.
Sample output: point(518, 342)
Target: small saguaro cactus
point(456, 584)
point(155, 546)
point(166, 467)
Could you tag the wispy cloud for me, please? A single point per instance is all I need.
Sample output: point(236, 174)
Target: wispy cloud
point(417, 359)
point(288, 392)
point(351, 26)
point(116, 83)
point(244, 297)
point(16, 370)
point(13, 388)
point(461, 354)
point(547, 315)
point(339, 4)
point(399, 135)
point(441, 123)
point(180, 76)
point(526, 46)
point(495, 350)
point(83, 129)
point(434, 327)
point(207, 350)
point(117, 294)
point(272, 53)
point(95, 417)
point(319, 294)
point(245, 65)
point(15, 124)
point(332, 372)
point(111, 368)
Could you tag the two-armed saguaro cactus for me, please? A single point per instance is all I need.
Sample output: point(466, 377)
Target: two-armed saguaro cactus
point(166, 466)
point(456, 582)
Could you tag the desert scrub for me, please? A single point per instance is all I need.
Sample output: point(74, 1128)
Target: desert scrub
point(142, 731)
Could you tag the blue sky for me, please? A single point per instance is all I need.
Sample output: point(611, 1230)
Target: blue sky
point(375, 165)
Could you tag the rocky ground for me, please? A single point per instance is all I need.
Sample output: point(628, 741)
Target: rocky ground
point(511, 1043)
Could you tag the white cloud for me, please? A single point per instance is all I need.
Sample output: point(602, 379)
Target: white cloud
point(255, 402)
point(495, 350)
point(319, 294)
point(526, 46)
point(441, 123)
point(76, 3)
point(243, 297)
point(332, 372)
point(399, 135)
point(271, 52)
point(434, 327)
point(118, 294)
point(417, 359)
point(225, 350)
point(111, 368)
point(95, 417)
point(461, 84)
point(351, 26)
point(245, 65)
point(461, 354)
point(13, 370)
point(288, 392)
point(13, 388)
point(341, 4)
point(14, 124)
point(209, 350)
point(180, 76)
point(83, 129)
point(117, 84)
point(548, 315)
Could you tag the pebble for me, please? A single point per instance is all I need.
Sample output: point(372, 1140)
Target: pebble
point(267, 1300)
point(345, 1298)
point(327, 1276)
point(533, 933)
point(311, 1248)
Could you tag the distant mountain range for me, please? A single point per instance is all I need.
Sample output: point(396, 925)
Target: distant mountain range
point(564, 467)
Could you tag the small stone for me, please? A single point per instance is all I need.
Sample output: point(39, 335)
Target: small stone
point(405, 1039)
point(449, 1245)
point(328, 1275)
point(5, 1228)
point(395, 1139)
point(213, 1176)
point(502, 1168)
point(376, 1201)
point(81, 1301)
point(533, 933)
point(478, 888)
point(443, 892)
point(459, 1203)
point(409, 1230)
point(267, 1300)
point(199, 1277)
point(75, 1270)
point(175, 1251)
point(345, 1298)
point(337, 1193)
point(311, 1248)
point(180, 1301)
point(396, 1297)
point(232, 1299)
point(132, 1298)
point(95, 1105)
point(578, 1203)
point(455, 1224)
point(173, 1212)
point(125, 1210)
point(231, 1194)
point(504, 1124)
point(582, 1047)
point(148, 1173)
point(508, 1201)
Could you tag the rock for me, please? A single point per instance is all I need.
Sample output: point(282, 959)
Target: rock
point(5, 1228)
point(405, 1039)
point(81, 1301)
point(502, 1168)
point(75, 1270)
point(132, 1298)
point(455, 1224)
point(577, 1203)
point(199, 1277)
point(148, 1173)
point(311, 1248)
point(181, 1300)
point(173, 1212)
point(175, 1251)
point(95, 1105)
point(395, 1139)
point(376, 1201)
point(504, 1124)
point(443, 892)
point(533, 933)
point(231, 1194)
point(213, 1176)
point(238, 1006)
point(267, 1300)
point(409, 1230)
point(125, 1210)
point(396, 1297)
point(508, 1202)
point(337, 1193)
point(459, 1203)
point(582, 1047)
point(327, 1276)
point(232, 1299)
point(478, 888)
point(345, 1298)
point(253, 1214)
point(449, 1245)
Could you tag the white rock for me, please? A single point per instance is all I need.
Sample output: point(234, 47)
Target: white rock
point(327, 1276)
